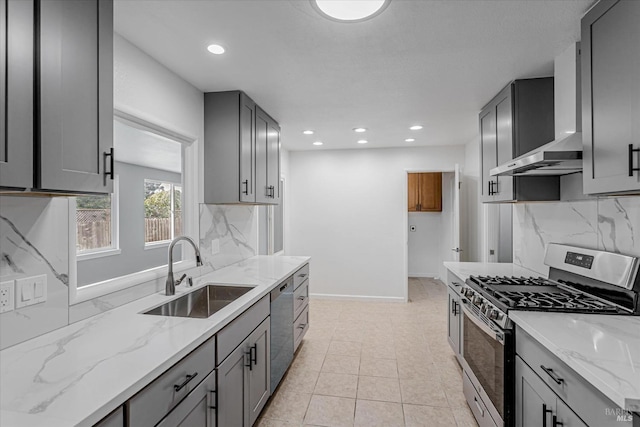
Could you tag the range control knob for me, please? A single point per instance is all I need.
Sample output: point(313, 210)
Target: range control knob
point(477, 300)
point(494, 315)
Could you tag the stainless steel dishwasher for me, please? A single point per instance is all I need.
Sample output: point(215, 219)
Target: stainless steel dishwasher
point(281, 330)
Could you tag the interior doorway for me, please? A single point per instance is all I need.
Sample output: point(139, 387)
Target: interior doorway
point(433, 237)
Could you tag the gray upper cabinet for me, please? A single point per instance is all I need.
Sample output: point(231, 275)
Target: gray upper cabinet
point(75, 97)
point(611, 97)
point(516, 121)
point(241, 150)
point(16, 90)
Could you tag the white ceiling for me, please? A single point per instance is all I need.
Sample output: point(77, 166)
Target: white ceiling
point(428, 62)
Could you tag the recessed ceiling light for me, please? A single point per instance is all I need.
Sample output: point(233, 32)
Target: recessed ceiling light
point(416, 127)
point(317, 143)
point(359, 130)
point(308, 132)
point(349, 10)
point(216, 49)
point(409, 140)
point(362, 141)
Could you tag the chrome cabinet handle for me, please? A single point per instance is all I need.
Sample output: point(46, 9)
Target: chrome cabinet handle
point(480, 408)
point(178, 387)
point(631, 168)
point(552, 374)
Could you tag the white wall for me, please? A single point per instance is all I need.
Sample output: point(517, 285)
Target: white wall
point(473, 207)
point(446, 224)
point(348, 210)
point(424, 244)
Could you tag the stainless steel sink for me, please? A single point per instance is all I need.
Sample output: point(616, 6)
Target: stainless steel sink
point(202, 302)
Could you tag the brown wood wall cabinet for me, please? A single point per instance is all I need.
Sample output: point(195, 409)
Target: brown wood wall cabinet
point(425, 192)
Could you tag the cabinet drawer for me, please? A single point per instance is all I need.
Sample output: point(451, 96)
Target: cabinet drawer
point(235, 332)
point(300, 327)
point(152, 403)
point(476, 404)
point(197, 410)
point(583, 398)
point(300, 276)
point(454, 282)
point(300, 298)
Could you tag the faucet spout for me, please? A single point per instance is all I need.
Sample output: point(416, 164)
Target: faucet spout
point(170, 284)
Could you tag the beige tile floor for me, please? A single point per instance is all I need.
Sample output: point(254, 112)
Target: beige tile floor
point(374, 364)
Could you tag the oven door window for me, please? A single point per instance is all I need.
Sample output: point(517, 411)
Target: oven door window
point(485, 357)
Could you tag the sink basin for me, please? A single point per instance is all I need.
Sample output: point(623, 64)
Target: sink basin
point(202, 302)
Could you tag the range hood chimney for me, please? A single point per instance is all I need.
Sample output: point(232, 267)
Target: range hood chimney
point(563, 155)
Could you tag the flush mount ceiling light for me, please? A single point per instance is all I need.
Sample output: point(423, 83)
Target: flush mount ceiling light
point(409, 140)
point(216, 49)
point(362, 141)
point(308, 132)
point(359, 130)
point(416, 127)
point(317, 143)
point(349, 10)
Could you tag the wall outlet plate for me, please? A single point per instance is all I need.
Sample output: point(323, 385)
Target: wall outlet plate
point(7, 298)
point(31, 290)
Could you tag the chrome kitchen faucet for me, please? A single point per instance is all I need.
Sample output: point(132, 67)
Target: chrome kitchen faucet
point(170, 286)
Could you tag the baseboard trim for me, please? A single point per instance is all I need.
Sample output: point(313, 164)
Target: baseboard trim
point(425, 275)
point(357, 297)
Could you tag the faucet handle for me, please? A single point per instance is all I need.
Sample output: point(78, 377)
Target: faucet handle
point(181, 279)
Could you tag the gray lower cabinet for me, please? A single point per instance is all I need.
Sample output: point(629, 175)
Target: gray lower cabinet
point(611, 97)
point(550, 393)
point(516, 121)
point(75, 97)
point(300, 305)
point(243, 379)
point(16, 93)
point(114, 419)
point(537, 405)
point(454, 318)
point(241, 150)
point(198, 409)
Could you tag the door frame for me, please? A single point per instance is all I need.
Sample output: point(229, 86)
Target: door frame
point(405, 222)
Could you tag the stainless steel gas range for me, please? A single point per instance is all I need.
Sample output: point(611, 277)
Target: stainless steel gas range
point(580, 280)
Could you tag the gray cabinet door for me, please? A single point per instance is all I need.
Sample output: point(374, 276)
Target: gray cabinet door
point(232, 388)
point(262, 147)
point(273, 160)
point(76, 96)
point(504, 142)
point(566, 416)
point(247, 147)
point(16, 93)
point(114, 419)
point(453, 321)
point(535, 402)
point(611, 97)
point(259, 374)
point(488, 151)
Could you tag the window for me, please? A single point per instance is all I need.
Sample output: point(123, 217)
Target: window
point(97, 224)
point(162, 211)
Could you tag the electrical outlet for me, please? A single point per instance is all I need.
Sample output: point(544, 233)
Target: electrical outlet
point(215, 246)
point(31, 290)
point(6, 296)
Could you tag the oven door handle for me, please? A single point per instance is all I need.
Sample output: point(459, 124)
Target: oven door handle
point(496, 335)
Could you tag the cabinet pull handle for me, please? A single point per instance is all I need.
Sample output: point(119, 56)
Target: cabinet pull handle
point(104, 165)
point(302, 298)
point(248, 364)
point(213, 399)
point(178, 387)
point(302, 275)
point(479, 406)
point(553, 376)
point(302, 325)
point(253, 351)
point(245, 183)
point(545, 411)
point(556, 422)
point(283, 287)
point(631, 168)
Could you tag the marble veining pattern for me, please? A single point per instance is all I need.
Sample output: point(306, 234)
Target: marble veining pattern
point(67, 376)
point(235, 226)
point(34, 241)
point(603, 349)
point(619, 225)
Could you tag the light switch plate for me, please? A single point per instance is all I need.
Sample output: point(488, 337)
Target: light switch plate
point(7, 298)
point(31, 290)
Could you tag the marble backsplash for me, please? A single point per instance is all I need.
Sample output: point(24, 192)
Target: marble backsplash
point(34, 240)
point(610, 224)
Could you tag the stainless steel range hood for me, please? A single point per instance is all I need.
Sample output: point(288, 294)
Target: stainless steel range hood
point(560, 157)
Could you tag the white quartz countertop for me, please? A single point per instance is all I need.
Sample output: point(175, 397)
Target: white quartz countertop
point(465, 269)
point(76, 375)
point(603, 349)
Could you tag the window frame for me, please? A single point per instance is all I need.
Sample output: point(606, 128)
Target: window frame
point(114, 249)
point(191, 166)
